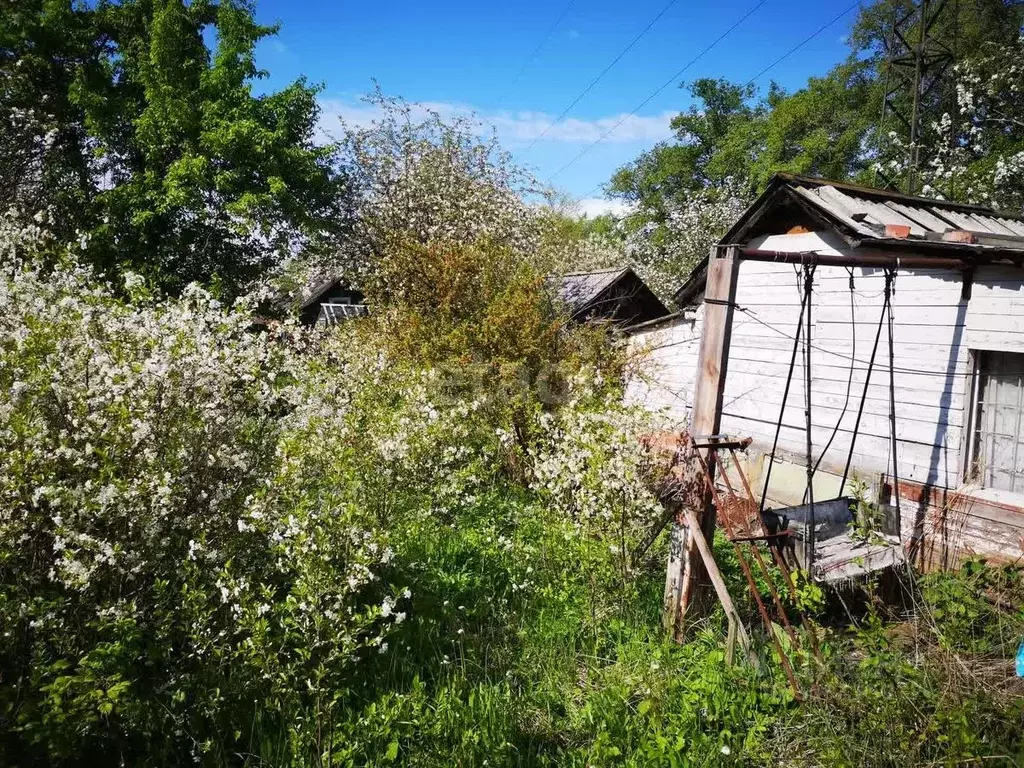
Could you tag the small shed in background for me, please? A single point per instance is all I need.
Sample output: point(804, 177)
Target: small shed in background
point(616, 296)
point(331, 302)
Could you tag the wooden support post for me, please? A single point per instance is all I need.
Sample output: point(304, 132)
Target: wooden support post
point(686, 586)
point(736, 629)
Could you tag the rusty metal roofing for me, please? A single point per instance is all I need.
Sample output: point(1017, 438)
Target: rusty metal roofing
point(868, 212)
point(883, 219)
point(315, 294)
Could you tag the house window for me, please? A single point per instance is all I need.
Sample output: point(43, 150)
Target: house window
point(998, 442)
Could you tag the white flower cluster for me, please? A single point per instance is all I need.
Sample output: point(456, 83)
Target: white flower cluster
point(161, 467)
point(663, 255)
point(595, 469)
point(422, 178)
point(977, 153)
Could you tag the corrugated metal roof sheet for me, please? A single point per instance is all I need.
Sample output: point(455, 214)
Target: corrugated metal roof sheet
point(861, 214)
point(868, 214)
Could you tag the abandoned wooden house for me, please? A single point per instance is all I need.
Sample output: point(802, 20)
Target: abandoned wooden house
point(616, 296)
point(874, 338)
point(331, 302)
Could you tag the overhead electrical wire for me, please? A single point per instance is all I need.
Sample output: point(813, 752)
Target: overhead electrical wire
point(540, 46)
point(675, 77)
point(849, 381)
point(693, 61)
point(604, 72)
point(786, 335)
point(801, 44)
point(907, 371)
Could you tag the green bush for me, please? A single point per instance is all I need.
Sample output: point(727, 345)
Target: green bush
point(297, 548)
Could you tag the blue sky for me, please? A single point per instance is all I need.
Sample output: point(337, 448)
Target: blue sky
point(460, 56)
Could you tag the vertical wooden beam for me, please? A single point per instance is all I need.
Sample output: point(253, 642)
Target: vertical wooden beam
point(736, 628)
point(687, 593)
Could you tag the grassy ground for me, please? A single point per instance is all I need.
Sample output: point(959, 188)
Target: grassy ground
point(573, 669)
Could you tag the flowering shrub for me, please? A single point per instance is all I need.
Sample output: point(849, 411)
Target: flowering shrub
point(976, 152)
point(594, 468)
point(174, 565)
point(306, 548)
point(419, 178)
point(664, 252)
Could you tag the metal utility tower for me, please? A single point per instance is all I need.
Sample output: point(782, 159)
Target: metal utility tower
point(917, 61)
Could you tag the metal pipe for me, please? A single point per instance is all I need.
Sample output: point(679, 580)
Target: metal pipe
point(881, 260)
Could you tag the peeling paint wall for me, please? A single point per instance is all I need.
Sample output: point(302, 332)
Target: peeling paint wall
point(935, 329)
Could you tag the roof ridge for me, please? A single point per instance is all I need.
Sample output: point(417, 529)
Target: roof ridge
point(593, 272)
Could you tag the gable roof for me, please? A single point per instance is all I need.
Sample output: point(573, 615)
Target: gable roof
point(865, 216)
point(864, 213)
point(578, 290)
point(311, 309)
point(319, 291)
point(603, 292)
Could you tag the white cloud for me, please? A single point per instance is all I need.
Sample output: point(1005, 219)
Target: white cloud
point(516, 127)
point(598, 206)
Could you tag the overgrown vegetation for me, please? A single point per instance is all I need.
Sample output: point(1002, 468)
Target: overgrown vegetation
point(418, 538)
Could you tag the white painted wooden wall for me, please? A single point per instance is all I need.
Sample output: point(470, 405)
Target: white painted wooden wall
point(664, 366)
point(934, 328)
point(929, 353)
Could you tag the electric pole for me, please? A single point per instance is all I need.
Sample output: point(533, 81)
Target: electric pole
point(917, 60)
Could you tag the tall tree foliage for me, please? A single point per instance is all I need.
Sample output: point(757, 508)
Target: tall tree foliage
point(731, 141)
point(832, 127)
point(148, 142)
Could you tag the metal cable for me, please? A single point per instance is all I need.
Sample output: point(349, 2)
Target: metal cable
point(849, 381)
point(864, 394)
point(782, 409)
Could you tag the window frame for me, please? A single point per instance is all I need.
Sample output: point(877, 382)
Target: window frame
point(971, 436)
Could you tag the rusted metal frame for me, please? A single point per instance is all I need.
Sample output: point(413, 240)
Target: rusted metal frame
point(765, 537)
point(865, 259)
point(776, 600)
point(775, 553)
point(721, 441)
point(751, 583)
point(736, 628)
point(780, 560)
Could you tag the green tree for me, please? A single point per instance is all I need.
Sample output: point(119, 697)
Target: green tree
point(695, 160)
point(45, 47)
point(166, 160)
point(832, 127)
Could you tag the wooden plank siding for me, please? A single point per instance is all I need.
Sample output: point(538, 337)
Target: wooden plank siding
point(935, 328)
point(664, 367)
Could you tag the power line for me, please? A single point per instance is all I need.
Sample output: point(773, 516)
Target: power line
point(604, 72)
point(540, 46)
point(785, 334)
point(801, 44)
point(661, 88)
point(675, 77)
